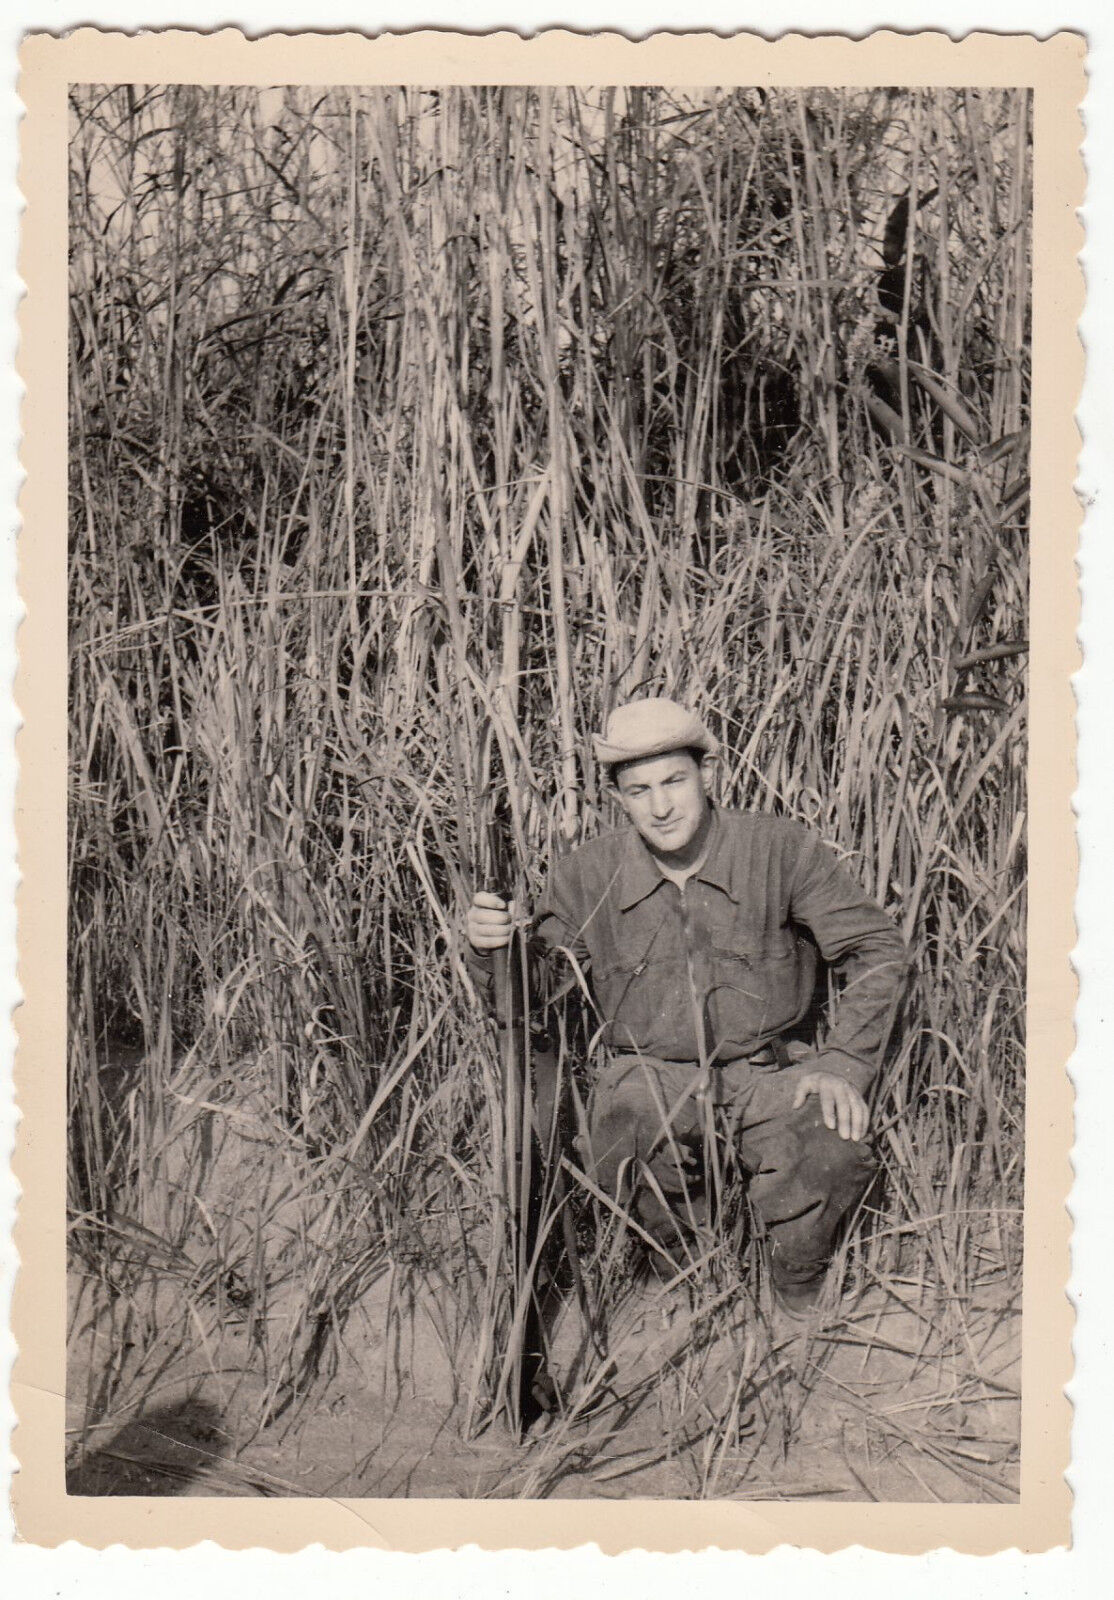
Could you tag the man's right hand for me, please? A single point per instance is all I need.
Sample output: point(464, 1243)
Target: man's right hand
point(490, 920)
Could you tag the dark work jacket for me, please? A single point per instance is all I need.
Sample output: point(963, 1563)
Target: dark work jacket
point(717, 969)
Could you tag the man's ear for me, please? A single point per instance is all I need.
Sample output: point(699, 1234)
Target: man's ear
point(613, 791)
point(708, 771)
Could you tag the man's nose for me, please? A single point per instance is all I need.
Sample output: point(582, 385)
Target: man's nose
point(661, 804)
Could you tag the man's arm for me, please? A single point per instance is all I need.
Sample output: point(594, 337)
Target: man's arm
point(555, 925)
point(488, 928)
point(857, 937)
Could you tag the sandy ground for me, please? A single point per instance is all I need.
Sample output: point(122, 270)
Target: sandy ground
point(864, 1409)
point(904, 1395)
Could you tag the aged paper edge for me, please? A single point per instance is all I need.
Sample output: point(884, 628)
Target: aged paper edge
point(1055, 70)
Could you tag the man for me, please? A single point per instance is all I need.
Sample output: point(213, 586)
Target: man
point(694, 921)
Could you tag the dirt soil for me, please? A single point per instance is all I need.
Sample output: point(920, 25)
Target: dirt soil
point(863, 1409)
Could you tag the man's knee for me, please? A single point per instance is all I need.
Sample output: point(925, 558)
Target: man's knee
point(821, 1150)
point(612, 1141)
point(805, 1161)
point(617, 1131)
point(627, 1125)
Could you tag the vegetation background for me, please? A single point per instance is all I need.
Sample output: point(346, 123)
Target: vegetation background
point(409, 431)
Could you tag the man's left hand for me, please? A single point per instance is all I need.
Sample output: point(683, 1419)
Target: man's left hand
point(843, 1108)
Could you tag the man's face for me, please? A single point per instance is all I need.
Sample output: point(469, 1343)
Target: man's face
point(666, 800)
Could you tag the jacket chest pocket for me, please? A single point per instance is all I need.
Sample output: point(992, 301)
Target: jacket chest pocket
point(620, 969)
point(751, 948)
point(763, 988)
point(638, 993)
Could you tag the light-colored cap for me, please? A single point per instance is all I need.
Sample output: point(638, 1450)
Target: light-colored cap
point(645, 728)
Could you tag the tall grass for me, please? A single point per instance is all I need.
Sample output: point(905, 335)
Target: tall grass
point(410, 431)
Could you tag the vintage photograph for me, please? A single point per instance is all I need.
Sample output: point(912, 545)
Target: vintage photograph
point(548, 635)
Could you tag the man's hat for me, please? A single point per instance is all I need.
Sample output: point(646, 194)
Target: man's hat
point(645, 728)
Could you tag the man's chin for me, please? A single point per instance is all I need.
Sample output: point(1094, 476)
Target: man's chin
point(668, 843)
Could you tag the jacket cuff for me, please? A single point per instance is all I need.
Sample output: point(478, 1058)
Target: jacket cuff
point(853, 1069)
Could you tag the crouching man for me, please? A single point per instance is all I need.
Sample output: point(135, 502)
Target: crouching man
point(695, 922)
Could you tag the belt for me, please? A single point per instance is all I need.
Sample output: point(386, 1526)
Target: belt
point(766, 1057)
point(771, 1054)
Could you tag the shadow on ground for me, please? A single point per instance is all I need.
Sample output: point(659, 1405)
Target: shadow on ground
point(163, 1451)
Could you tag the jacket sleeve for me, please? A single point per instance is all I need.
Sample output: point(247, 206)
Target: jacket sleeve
point(558, 918)
point(856, 937)
point(481, 968)
point(555, 925)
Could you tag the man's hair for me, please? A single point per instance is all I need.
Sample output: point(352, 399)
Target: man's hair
point(616, 767)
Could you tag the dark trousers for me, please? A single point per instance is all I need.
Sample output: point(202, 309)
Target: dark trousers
point(651, 1135)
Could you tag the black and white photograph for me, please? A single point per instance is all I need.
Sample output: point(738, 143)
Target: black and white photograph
point(547, 808)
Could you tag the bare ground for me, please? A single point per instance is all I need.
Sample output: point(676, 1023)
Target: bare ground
point(908, 1393)
point(698, 1403)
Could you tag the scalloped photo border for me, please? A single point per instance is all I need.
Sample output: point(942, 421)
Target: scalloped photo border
point(1054, 69)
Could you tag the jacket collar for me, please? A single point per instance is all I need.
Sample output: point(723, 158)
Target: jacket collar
point(639, 874)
